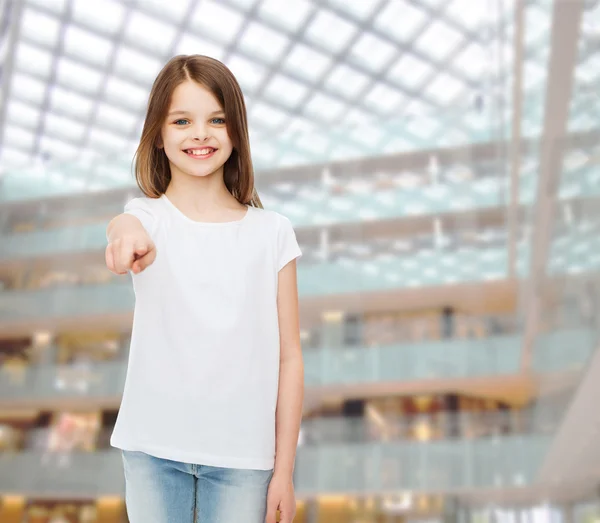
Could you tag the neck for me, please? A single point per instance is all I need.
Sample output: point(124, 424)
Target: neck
point(202, 192)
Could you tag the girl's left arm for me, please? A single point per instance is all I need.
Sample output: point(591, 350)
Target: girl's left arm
point(290, 396)
point(291, 372)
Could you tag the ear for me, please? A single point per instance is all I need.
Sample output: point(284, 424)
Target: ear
point(159, 142)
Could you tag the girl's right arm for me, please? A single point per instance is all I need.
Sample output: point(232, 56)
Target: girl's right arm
point(129, 245)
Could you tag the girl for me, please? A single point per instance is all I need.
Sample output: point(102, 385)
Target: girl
point(211, 409)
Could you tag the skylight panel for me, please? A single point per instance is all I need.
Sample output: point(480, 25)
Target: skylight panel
point(588, 71)
point(56, 148)
point(40, 27)
point(533, 75)
point(80, 77)
point(372, 52)
point(471, 61)
point(249, 74)
point(33, 60)
point(87, 46)
point(19, 138)
point(581, 122)
point(172, 11)
point(410, 71)
point(359, 10)
point(317, 143)
point(191, 45)
point(439, 40)
point(106, 141)
point(125, 93)
point(62, 127)
point(264, 151)
point(434, 4)
point(115, 118)
point(537, 23)
point(22, 114)
point(371, 139)
point(57, 7)
point(330, 31)
point(286, 90)
point(106, 15)
point(423, 127)
point(399, 144)
point(469, 14)
point(347, 81)
point(297, 125)
point(454, 137)
point(290, 15)
point(261, 41)
point(135, 65)
point(384, 99)
point(306, 62)
point(266, 116)
point(591, 16)
point(444, 89)
point(400, 20)
point(357, 117)
point(153, 34)
point(216, 20)
point(11, 156)
point(324, 107)
point(345, 151)
point(28, 89)
point(65, 101)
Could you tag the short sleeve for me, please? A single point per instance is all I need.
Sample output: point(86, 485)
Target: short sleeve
point(140, 208)
point(287, 245)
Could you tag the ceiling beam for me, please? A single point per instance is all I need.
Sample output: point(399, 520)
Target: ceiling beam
point(515, 146)
point(564, 40)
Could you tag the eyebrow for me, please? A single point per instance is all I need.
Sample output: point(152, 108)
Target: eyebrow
point(173, 113)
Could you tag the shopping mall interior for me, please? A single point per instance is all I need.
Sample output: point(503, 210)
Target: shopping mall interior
point(440, 163)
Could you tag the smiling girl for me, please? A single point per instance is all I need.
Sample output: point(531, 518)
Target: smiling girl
point(211, 409)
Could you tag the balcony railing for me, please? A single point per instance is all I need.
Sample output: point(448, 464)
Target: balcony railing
point(451, 358)
point(339, 468)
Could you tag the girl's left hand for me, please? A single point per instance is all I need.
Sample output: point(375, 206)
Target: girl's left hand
point(281, 496)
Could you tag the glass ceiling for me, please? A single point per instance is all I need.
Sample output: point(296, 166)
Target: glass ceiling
point(327, 80)
point(323, 81)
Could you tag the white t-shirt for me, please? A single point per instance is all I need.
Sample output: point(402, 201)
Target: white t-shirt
point(203, 372)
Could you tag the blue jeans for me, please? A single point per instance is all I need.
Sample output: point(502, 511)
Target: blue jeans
point(163, 491)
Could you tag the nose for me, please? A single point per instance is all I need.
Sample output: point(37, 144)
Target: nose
point(201, 133)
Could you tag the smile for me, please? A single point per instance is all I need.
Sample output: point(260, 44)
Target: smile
point(200, 154)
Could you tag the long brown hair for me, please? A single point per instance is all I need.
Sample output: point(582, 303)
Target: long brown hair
point(152, 171)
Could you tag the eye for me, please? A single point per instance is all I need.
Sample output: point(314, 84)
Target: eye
point(176, 122)
point(218, 121)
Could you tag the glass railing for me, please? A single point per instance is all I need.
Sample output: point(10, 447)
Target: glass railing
point(83, 474)
point(318, 279)
point(341, 468)
point(370, 428)
point(443, 465)
point(55, 241)
point(574, 250)
point(67, 301)
point(318, 205)
point(430, 427)
point(48, 383)
point(453, 358)
point(399, 363)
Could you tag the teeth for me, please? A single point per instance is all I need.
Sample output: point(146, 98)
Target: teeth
point(201, 152)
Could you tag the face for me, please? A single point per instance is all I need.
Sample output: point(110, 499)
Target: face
point(194, 134)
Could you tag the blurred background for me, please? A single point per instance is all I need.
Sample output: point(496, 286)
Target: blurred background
point(439, 160)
